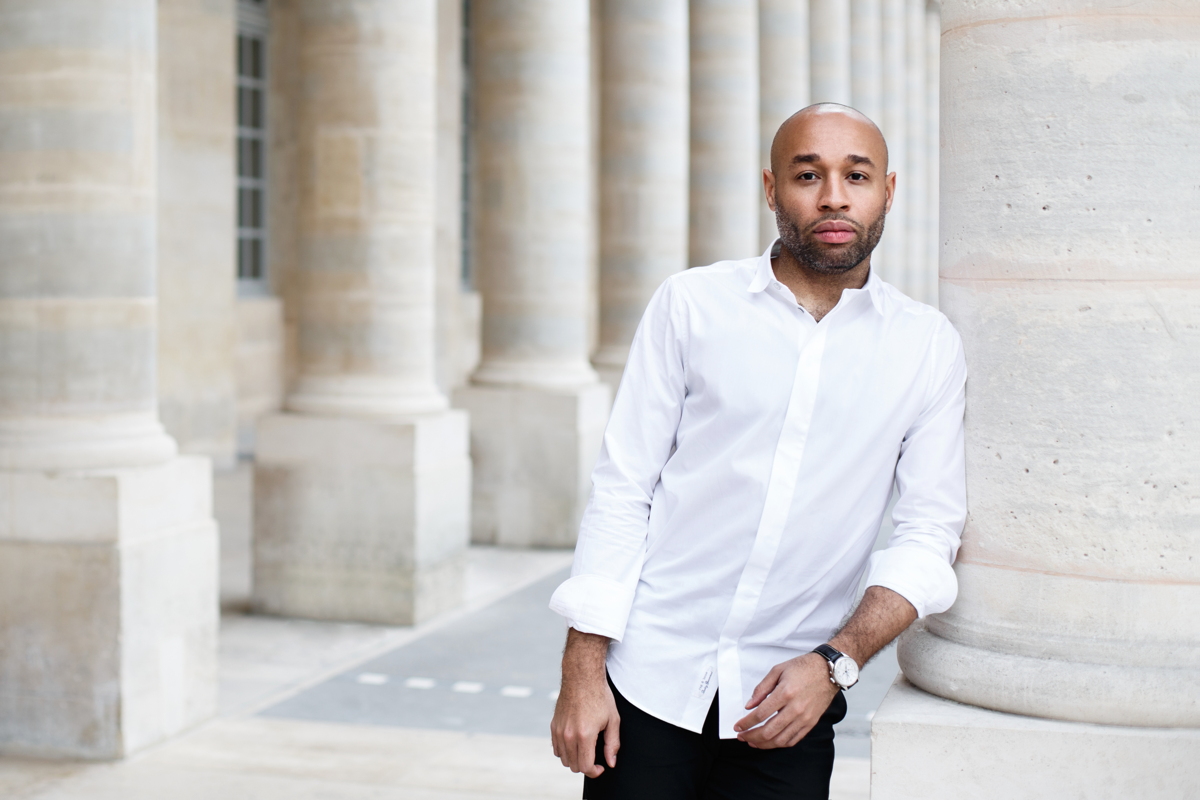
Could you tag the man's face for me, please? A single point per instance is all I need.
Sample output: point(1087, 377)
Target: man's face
point(830, 190)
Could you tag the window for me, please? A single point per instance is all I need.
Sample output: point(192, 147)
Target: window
point(252, 146)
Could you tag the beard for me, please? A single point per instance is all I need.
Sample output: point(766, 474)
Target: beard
point(821, 257)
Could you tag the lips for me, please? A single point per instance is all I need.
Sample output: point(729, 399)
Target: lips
point(834, 232)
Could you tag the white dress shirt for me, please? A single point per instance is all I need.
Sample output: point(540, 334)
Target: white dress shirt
point(744, 475)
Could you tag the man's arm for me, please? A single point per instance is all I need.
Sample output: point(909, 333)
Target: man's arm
point(585, 706)
point(798, 692)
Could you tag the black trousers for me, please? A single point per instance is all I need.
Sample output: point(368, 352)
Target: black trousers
point(659, 761)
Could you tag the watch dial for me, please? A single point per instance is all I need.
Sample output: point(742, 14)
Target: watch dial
point(845, 671)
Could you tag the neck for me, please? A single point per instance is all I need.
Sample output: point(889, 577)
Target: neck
point(818, 292)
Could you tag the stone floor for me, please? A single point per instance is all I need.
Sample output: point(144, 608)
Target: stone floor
point(450, 710)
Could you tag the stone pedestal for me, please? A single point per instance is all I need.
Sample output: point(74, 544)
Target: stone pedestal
point(534, 450)
point(360, 519)
point(108, 608)
point(925, 747)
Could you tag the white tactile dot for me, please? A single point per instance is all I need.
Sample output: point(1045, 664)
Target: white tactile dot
point(420, 683)
point(467, 687)
point(372, 679)
point(554, 695)
point(516, 691)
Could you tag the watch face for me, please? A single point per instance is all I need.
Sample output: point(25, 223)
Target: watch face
point(845, 672)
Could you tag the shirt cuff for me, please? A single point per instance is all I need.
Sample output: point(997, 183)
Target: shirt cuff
point(921, 577)
point(594, 604)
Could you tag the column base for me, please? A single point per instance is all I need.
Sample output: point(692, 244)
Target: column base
point(361, 520)
point(108, 608)
point(533, 452)
point(923, 747)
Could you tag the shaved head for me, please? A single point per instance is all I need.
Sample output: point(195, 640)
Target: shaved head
point(823, 112)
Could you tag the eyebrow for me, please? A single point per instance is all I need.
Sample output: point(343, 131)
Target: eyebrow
point(813, 158)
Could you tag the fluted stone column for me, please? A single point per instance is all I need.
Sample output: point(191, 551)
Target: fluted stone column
point(726, 187)
point(893, 247)
point(866, 57)
point(1071, 266)
point(783, 81)
point(361, 488)
point(643, 164)
point(916, 172)
point(537, 407)
point(108, 550)
point(829, 26)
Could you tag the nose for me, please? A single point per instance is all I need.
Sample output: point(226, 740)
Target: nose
point(833, 196)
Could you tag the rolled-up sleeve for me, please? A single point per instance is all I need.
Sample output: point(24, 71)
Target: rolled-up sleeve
point(637, 443)
point(931, 508)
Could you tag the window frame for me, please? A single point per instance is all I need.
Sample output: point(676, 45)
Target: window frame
point(252, 24)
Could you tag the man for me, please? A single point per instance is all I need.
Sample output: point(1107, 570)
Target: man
point(766, 410)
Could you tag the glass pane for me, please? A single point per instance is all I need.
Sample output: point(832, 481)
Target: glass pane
point(256, 215)
point(244, 210)
point(256, 108)
point(256, 58)
point(244, 266)
point(256, 158)
point(243, 158)
point(243, 106)
point(242, 64)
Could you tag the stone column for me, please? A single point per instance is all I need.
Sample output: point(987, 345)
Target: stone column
point(1070, 266)
point(892, 252)
point(726, 185)
point(829, 24)
point(361, 489)
point(933, 39)
point(915, 177)
point(537, 408)
point(108, 550)
point(643, 164)
point(783, 83)
point(866, 57)
point(196, 231)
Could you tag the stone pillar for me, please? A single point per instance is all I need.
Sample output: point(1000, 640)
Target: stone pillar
point(915, 176)
point(933, 40)
point(537, 408)
point(453, 330)
point(361, 488)
point(1070, 266)
point(196, 233)
point(866, 57)
point(643, 165)
point(783, 83)
point(829, 24)
point(726, 186)
point(108, 550)
point(893, 248)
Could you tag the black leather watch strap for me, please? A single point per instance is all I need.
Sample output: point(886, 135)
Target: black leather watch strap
point(830, 654)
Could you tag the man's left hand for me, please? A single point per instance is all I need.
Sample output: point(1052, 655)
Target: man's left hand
point(791, 699)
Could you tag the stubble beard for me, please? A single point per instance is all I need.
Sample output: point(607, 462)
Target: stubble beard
point(821, 257)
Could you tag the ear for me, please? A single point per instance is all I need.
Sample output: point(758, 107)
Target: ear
point(889, 186)
point(769, 188)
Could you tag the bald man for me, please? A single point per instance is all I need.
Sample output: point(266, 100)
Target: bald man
point(768, 408)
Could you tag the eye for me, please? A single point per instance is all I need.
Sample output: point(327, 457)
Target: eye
point(807, 176)
point(857, 176)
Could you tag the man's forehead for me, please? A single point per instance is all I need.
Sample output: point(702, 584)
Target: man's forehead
point(829, 135)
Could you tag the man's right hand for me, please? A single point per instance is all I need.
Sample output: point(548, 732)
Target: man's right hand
point(585, 706)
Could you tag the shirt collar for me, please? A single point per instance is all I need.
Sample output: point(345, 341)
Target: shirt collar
point(764, 274)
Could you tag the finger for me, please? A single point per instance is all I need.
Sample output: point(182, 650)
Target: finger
point(764, 710)
point(795, 733)
point(612, 740)
point(765, 687)
point(583, 755)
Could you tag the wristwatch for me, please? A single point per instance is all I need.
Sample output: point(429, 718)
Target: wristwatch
point(843, 670)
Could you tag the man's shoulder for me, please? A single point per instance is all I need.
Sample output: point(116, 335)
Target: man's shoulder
point(913, 313)
point(719, 275)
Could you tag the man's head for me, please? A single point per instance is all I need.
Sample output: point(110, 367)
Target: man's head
point(829, 186)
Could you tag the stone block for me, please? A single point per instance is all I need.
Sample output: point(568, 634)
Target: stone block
point(108, 608)
point(925, 748)
point(533, 451)
point(361, 520)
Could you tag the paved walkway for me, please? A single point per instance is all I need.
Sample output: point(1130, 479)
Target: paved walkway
point(454, 710)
